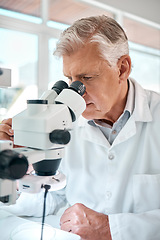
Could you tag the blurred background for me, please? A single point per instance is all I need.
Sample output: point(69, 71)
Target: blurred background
point(29, 30)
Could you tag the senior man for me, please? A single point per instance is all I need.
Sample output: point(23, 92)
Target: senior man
point(112, 163)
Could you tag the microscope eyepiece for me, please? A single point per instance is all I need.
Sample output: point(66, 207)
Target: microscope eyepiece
point(59, 86)
point(78, 87)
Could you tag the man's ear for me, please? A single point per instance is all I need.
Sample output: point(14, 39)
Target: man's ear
point(124, 65)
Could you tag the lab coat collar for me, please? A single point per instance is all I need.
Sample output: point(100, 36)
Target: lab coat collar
point(92, 133)
point(141, 113)
point(141, 110)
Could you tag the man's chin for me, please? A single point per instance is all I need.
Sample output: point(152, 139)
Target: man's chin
point(87, 116)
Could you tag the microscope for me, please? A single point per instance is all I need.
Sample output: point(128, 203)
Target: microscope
point(42, 131)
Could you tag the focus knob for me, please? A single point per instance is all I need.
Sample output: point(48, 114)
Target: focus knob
point(60, 136)
point(13, 165)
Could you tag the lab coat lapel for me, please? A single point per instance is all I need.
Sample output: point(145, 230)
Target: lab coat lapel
point(127, 132)
point(92, 133)
point(141, 113)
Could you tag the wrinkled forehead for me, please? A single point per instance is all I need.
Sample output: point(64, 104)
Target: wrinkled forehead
point(85, 60)
point(87, 56)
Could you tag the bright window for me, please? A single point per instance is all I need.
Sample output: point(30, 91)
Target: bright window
point(55, 65)
point(144, 42)
point(145, 66)
point(19, 52)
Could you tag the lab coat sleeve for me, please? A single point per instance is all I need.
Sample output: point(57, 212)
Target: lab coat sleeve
point(32, 204)
point(141, 226)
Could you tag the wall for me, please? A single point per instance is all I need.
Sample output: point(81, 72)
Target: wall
point(148, 9)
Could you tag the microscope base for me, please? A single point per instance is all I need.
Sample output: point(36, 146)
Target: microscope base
point(34, 184)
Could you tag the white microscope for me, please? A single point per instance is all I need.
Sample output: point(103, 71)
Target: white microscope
point(12, 165)
point(44, 131)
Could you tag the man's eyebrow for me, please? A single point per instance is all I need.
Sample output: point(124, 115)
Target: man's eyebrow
point(92, 75)
point(87, 74)
point(77, 75)
point(66, 75)
point(83, 74)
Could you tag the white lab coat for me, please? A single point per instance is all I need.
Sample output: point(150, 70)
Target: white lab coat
point(122, 179)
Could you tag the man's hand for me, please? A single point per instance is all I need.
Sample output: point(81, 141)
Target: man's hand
point(88, 224)
point(6, 131)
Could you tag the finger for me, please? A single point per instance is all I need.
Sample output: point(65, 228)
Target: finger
point(65, 216)
point(7, 121)
point(76, 229)
point(17, 146)
point(5, 128)
point(73, 213)
point(75, 208)
point(64, 219)
point(30, 170)
point(67, 226)
point(5, 136)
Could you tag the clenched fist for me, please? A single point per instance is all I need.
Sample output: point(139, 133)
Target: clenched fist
point(87, 223)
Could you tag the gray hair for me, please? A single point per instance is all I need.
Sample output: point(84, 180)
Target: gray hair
point(105, 31)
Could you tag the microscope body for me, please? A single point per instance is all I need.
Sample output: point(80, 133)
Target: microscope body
point(43, 129)
point(33, 126)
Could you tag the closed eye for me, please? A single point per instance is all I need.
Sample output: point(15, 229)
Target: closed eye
point(86, 78)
